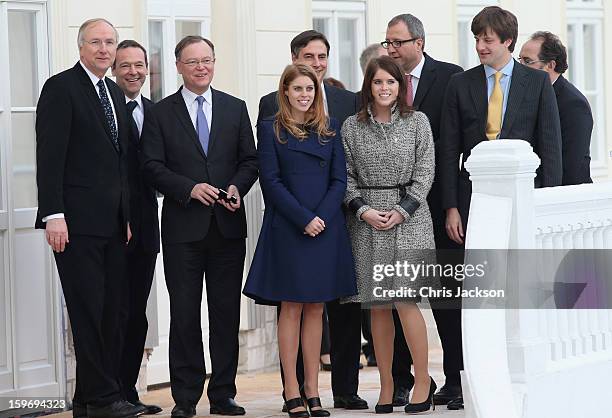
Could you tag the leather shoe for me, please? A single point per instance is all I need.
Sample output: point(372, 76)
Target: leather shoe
point(349, 402)
point(226, 406)
point(371, 359)
point(148, 409)
point(183, 411)
point(446, 394)
point(456, 403)
point(117, 409)
point(401, 395)
point(79, 410)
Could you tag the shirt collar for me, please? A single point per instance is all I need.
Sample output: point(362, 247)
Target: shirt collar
point(507, 70)
point(190, 96)
point(138, 100)
point(416, 72)
point(94, 78)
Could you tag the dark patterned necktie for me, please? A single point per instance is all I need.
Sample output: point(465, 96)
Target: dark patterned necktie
point(108, 112)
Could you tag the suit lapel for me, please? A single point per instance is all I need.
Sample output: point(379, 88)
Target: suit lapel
point(428, 78)
point(94, 100)
point(518, 87)
point(332, 101)
point(215, 124)
point(478, 91)
point(180, 109)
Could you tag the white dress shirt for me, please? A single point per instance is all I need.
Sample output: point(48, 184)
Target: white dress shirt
point(138, 113)
point(192, 105)
point(416, 75)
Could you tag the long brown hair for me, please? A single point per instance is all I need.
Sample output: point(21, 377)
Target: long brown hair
point(387, 64)
point(315, 119)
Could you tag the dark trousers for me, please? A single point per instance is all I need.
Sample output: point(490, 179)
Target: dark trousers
point(345, 336)
point(140, 269)
point(221, 262)
point(92, 271)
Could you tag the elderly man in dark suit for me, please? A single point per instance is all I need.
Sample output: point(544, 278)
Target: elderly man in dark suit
point(83, 205)
point(130, 70)
point(544, 51)
point(312, 48)
point(426, 79)
point(197, 142)
point(498, 99)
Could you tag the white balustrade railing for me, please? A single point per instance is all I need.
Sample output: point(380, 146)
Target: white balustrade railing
point(534, 363)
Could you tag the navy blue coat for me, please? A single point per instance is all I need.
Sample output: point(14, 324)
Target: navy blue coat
point(301, 180)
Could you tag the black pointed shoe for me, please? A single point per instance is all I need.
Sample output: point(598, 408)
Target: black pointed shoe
point(455, 404)
point(316, 402)
point(226, 407)
point(401, 395)
point(415, 408)
point(117, 409)
point(385, 408)
point(148, 409)
point(296, 403)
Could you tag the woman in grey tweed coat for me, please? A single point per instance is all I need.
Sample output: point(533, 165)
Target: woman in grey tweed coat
point(390, 161)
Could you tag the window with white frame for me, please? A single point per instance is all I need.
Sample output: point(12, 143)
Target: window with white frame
point(343, 23)
point(586, 67)
point(168, 22)
point(466, 10)
point(26, 62)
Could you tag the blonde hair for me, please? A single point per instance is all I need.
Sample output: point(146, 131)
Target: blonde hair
point(315, 119)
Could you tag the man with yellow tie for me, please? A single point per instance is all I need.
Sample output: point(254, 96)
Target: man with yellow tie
point(498, 99)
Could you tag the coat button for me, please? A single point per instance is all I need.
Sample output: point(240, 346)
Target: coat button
point(322, 163)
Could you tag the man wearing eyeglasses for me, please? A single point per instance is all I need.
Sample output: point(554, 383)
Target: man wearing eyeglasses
point(83, 206)
point(200, 154)
point(544, 51)
point(426, 80)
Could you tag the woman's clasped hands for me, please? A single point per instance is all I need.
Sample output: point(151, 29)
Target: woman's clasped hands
point(382, 221)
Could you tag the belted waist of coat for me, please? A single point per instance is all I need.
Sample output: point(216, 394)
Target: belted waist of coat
point(400, 187)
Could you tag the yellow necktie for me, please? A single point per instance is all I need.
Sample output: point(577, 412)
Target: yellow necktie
point(496, 101)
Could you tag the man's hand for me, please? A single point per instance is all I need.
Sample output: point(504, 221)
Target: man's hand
point(56, 232)
point(205, 193)
point(393, 218)
point(454, 227)
point(129, 234)
point(375, 218)
point(314, 227)
point(231, 191)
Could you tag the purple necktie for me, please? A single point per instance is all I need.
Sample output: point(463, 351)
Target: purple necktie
point(202, 125)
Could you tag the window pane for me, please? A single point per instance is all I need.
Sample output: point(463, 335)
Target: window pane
point(156, 60)
point(347, 52)
point(590, 81)
point(321, 24)
point(464, 48)
point(570, 53)
point(22, 58)
point(24, 160)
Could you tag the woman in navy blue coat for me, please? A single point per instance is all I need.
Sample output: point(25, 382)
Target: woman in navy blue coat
point(303, 256)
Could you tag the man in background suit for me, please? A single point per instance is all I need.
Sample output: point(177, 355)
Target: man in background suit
point(498, 99)
point(428, 78)
point(195, 142)
point(81, 143)
point(544, 51)
point(130, 70)
point(312, 48)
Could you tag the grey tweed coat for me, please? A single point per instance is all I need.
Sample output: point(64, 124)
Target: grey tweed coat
point(387, 154)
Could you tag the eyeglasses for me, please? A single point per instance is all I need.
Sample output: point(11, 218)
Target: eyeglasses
point(97, 43)
point(528, 61)
point(396, 44)
point(192, 63)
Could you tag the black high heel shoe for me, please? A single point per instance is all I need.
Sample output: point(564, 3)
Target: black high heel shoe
point(415, 408)
point(385, 408)
point(313, 403)
point(296, 403)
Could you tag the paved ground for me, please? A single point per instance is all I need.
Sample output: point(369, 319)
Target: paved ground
point(260, 395)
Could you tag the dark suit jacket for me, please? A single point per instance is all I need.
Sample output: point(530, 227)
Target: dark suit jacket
point(340, 103)
point(143, 198)
point(576, 127)
point(429, 100)
point(78, 170)
point(174, 162)
point(531, 115)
